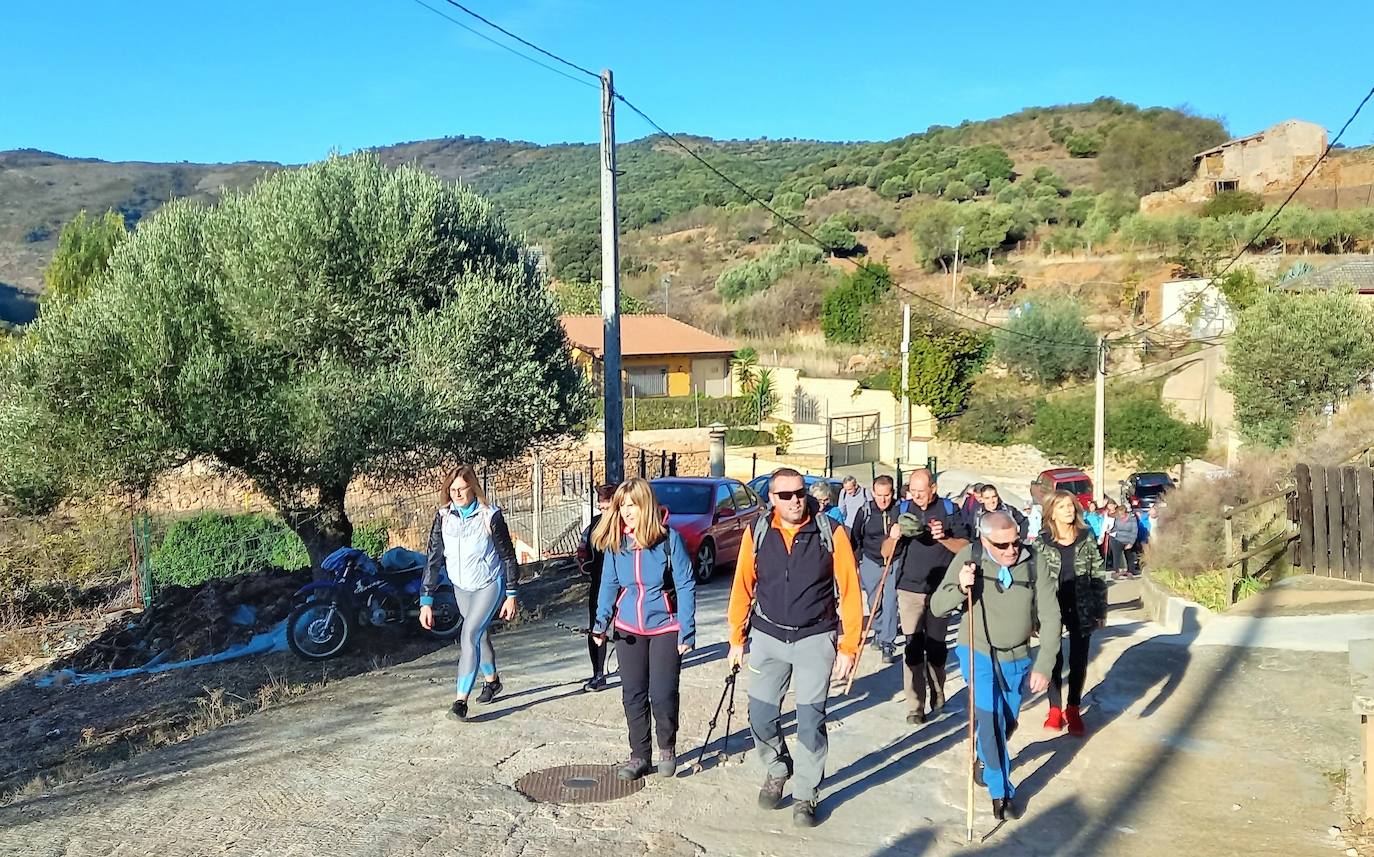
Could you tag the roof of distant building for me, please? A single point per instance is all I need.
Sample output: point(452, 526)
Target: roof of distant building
point(645, 335)
point(1357, 274)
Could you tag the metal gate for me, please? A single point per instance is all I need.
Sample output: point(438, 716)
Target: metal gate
point(853, 440)
point(1336, 521)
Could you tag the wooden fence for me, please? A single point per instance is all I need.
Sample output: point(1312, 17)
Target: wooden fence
point(1336, 521)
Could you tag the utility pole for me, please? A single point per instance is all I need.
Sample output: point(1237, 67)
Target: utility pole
point(1100, 420)
point(610, 291)
point(905, 448)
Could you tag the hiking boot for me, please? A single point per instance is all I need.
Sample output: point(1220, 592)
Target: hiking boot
point(1004, 808)
point(458, 711)
point(978, 773)
point(667, 763)
point(770, 796)
point(915, 718)
point(1055, 721)
point(804, 813)
point(889, 652)
point(1075, 721)
point(595, 683)
point(489, 690)
point(633, 769)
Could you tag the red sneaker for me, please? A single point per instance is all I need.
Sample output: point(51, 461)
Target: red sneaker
point(1074, 720)
point(1055, 721)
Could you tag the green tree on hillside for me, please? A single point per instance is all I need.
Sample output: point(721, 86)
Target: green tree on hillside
point(944, 360)
point(583, 297)
point(1155, 150)
point(1294, 354)
point(335, 322)
point(844, 308)
point(1048, 343)
point(1140, 428)
point(84, 248)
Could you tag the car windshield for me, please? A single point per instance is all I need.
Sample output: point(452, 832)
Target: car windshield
point(1148, 490)
point(1077, 486)
point(684, 498)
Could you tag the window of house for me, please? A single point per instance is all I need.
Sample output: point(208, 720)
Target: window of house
point(647, 380)
point(1223, 186)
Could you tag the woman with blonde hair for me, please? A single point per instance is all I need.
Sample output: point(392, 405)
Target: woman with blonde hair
point(470, 542)
point(1068, 552)
point(648, 584)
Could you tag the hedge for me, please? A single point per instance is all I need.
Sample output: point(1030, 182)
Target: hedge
point(670, 412)
point(211, 545)
point(748, 437)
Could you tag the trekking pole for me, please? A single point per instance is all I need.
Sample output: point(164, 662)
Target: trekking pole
point(868, 624)
point(972, 750)
point(711, 724)
point(729, 715)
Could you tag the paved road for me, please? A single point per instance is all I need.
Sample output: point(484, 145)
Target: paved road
point(1193, 751)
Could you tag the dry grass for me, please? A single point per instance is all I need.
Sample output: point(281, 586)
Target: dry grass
point(807, 351)
point(1193, 540)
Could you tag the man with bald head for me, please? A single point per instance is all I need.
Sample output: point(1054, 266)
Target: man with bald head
point(1009, 603)
point(929, 532)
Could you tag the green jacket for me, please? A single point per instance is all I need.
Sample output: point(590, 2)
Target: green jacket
point(1090, 591)
point(1004, 621)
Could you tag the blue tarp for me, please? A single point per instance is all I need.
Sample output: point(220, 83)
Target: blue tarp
point(272, 640)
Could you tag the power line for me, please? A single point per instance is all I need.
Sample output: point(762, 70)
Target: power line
point(833, 250)
point(1273, 217)
point(525, 42)
point(503, 46)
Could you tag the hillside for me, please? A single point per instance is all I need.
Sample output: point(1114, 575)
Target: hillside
point(551, 192)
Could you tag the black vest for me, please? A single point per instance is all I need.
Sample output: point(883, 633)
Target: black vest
point(794, 593)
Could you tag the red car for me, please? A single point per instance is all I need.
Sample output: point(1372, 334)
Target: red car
point(713, 516)
point(1070, 479)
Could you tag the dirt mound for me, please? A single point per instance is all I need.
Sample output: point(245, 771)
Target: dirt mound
point(189, 622)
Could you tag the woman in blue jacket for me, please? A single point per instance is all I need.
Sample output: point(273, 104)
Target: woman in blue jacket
point(648, 585)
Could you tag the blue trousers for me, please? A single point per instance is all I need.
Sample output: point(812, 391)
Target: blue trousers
point(885, 620)
point(997, 693)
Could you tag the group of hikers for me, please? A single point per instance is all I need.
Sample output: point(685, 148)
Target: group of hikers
point(810, 579)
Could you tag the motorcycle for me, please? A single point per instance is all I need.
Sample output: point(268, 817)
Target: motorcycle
point(361, 594)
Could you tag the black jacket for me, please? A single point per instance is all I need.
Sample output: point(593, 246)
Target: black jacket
point(871, 526)
point(920, 563)
point(794, 591)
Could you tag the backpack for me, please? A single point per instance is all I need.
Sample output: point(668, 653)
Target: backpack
point(826, 526)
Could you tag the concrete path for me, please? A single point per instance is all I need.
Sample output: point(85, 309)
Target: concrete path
point(1192, 750)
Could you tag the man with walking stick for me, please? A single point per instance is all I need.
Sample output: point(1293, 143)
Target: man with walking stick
point(929, 533)
point(994, 578)
point(797, 600)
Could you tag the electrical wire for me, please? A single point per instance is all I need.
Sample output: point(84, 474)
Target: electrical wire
point(833, 250)
point(525, 42)
point(503, 46)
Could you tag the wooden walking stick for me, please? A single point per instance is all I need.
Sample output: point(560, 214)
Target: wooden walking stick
point(972, 750)
point(868, 623)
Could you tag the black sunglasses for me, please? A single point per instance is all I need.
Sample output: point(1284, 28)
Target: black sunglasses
point(789, 495)
point(1001, 546)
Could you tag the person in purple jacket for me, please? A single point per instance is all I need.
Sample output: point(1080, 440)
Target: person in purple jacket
point(647, 583)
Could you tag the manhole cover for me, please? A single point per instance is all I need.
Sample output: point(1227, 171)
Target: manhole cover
point(576, 784)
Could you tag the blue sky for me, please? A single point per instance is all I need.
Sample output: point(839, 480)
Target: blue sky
point(290, 80)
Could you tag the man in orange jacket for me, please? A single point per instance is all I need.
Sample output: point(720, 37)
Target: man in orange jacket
point(797, 600)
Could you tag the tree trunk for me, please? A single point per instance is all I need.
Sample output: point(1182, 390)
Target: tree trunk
point(325, 527)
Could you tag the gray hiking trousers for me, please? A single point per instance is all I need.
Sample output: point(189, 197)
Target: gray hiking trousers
point(773, 667)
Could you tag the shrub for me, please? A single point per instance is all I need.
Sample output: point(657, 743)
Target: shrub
point(755, 275)
point(55, 564)
point(843, 308)
point(1083, 144)
point(1232, 202)
point(994, 287)
point(211, 545)
point(749, 437)
point(681, 411)
point(995, 420)
point(836, 236)
point(372, 537)
point(958, 190)
point(1048, 343)
point(783, 434)
point(1140, 428)
point(896, 187)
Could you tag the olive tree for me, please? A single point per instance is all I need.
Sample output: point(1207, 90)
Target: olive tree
point(336, 322)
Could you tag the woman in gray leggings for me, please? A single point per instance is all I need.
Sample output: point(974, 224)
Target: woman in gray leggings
point(471, 544)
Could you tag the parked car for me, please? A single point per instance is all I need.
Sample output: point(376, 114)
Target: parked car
point(759, 485)
point(713, 515)
point(1070, 479)
point(1143, 490)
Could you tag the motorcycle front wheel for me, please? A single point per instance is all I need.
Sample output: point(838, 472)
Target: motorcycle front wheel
point(448, 622)
point(317, 630)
